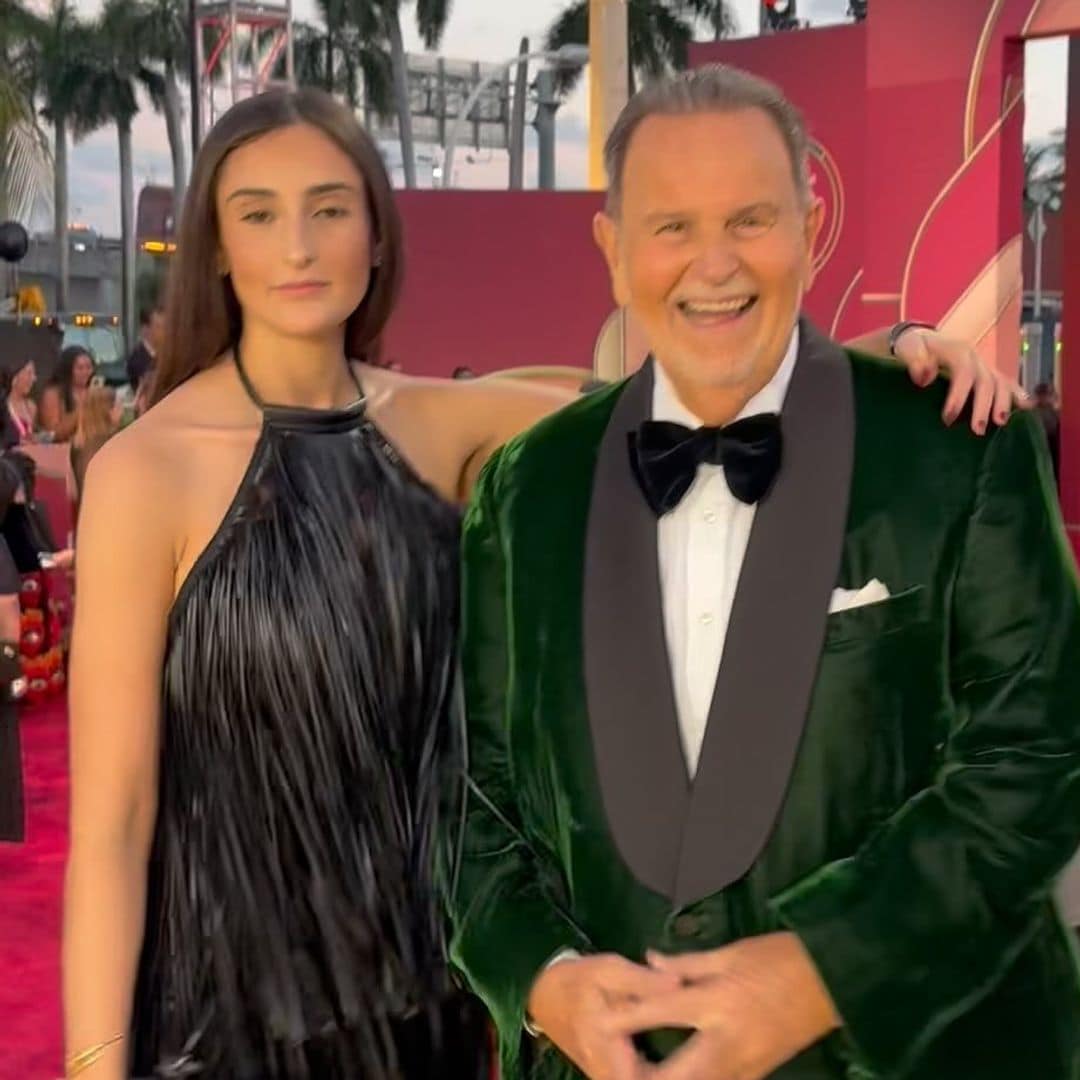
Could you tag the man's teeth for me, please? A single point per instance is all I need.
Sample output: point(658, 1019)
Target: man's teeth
point(720, 307)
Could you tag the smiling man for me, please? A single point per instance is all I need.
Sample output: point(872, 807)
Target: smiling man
point(774, 702)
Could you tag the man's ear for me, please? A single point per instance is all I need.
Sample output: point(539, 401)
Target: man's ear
point(812, 225)
point(606, 235)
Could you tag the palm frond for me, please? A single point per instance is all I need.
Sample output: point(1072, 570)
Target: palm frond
point(571, 27)
point(431, 19)
point(25, 172)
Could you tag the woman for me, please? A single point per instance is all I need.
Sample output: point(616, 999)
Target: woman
point(98, 419)
point(64, 393)
point(16, 386)
point(264, 726)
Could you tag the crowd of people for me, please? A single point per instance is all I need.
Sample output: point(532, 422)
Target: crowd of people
point(77, 410)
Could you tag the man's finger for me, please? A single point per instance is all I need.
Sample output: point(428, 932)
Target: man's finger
point(618, 976)
point(701, 1055)
point(678, 1009)
point(691, 965)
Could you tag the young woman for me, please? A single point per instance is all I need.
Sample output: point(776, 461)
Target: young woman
point(263, 710)
point(97, 420)
point(16, 386)
point(61, 398)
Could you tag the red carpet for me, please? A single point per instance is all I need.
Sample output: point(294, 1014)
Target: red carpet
point(30, 903)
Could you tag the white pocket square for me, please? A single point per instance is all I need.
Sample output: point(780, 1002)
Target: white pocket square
point(845, 599)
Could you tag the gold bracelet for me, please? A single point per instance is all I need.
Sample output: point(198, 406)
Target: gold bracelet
point(74, 1064)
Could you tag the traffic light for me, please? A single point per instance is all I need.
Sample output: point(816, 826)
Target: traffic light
point(779, 15)
point(857, 9)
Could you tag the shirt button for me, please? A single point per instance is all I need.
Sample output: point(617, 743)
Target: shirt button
point(687, 925)
point(707, 618)
point(710, 516)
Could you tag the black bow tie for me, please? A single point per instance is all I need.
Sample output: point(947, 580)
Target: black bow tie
point(665, 458)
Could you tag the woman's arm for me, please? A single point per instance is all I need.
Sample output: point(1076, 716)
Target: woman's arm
point(125, 587)
point(53, 417)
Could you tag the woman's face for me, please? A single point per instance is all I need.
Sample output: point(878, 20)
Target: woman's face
point(24, 379)
point(294, 232)
point(82, 371)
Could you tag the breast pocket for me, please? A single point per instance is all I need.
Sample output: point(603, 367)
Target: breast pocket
point(870, 622)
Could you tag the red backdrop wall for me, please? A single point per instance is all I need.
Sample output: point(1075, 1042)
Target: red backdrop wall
point(498, 279)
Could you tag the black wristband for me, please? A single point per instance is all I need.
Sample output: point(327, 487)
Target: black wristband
point(903, 328)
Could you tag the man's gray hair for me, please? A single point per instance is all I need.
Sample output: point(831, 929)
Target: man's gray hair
point(712, 88)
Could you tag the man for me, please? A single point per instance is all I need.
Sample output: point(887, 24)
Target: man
point(772, 681)
point(151, 335)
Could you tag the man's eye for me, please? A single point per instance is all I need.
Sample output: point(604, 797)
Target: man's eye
point(751, 224)
point(672, 227)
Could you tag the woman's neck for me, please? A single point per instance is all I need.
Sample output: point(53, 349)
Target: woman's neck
point(310, 372)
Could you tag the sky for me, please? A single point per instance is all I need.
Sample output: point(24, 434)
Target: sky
point(488, 30)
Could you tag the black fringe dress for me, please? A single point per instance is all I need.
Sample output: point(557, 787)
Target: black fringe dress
point(310, 731)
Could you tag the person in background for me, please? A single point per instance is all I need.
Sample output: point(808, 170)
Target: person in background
point(58, 413)
point(19, 421)
point(98, 420)
point(463, 372)
point(151, 335)
point(12, 682)
point(1047, 407)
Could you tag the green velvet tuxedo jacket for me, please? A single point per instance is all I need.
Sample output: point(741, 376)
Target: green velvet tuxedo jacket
point(898, 783)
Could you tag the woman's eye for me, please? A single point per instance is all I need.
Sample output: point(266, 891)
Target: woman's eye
point(256, 217)
point(331, 211)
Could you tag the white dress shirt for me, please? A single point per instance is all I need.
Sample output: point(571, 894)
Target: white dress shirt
point(701, 545)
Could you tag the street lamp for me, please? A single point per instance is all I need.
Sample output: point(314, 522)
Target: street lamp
point(566, 56)
point(1045, 197)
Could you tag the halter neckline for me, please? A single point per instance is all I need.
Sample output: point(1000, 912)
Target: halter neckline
point(304, 414)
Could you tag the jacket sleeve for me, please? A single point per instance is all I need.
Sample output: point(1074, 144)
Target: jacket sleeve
point(925, 920)
point(506, 920)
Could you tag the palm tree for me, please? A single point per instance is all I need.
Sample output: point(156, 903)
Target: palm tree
point(163, 34)
point(24, 148)
point(109, 95)
point(431, 19)
point(60, 53)
point(1045, 161)
point(716, 15)
point(659, 34)
point(347, 55)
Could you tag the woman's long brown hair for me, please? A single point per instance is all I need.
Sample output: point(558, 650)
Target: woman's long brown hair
point(202, 315)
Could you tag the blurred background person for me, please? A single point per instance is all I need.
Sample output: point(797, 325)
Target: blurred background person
point(19, 417)
point(1048, 407)
point(65, 391)
point(98, 420)
point(140, 361)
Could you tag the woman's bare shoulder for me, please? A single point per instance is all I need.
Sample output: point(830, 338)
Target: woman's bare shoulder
point(161, 448)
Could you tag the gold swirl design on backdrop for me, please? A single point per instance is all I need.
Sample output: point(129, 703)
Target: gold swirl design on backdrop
point(836, 188)
point(844, 300)
point(975, 78)
point(945, 192)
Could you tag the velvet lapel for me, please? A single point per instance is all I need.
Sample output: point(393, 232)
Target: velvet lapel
point(631, 702)
point(776, 631)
